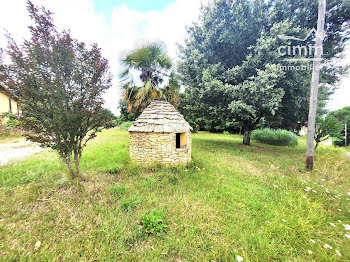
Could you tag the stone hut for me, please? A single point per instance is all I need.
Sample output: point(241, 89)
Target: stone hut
point(160, 135)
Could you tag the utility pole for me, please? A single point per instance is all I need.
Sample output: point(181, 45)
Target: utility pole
point(346, 132)
point(314, 85)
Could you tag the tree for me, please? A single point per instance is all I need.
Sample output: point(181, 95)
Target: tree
point(153, 65)
point(59, 82)
point(343, 116)
point(325, 128)
point(227, 34)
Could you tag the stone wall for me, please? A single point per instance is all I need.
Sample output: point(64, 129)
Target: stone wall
point(148, 148)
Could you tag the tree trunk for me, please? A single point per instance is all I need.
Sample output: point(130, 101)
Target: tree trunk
point(246, 137)
point(77, 157)
point(314, 85)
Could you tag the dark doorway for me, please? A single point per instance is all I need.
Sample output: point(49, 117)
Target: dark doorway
point(178, 140)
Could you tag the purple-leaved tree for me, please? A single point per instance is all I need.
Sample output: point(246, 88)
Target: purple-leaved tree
point(59, 82)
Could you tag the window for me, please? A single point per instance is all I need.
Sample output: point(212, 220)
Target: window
point(181, 141)
point(10, 106)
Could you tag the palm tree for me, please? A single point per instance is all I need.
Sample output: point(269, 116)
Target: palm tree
point(153, 64)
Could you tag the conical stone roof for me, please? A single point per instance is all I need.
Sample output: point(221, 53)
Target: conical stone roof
point(160, 117)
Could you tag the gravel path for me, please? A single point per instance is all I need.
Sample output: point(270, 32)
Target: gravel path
point(347, 154)
point(14, 151)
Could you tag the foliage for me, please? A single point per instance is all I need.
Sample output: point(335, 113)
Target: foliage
point(60, 82)
point(327, 127)
point(154, 223)
point(153, 64)
point(234, 38)
point(125, 125)
point(11, 120)
point(343, 116)
point(278, 137)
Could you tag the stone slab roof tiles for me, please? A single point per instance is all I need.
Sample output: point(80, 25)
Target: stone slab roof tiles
point(160, 117)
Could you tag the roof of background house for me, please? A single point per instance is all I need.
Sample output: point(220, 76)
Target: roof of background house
point(4, 89)
point(160, 117)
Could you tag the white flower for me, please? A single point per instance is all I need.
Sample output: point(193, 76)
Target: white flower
point(327, 246)
point(348, 193)
point(323, 179)
point(313, 241)
point(337, 251)
point(287, 193)
point(339, 221)
point(283, 220)
point(332, 224)
point(37, 245)
point(304, 197)
point(314, 191)
point(275, 185)
point(268, 222)
point(239, 258)
point(339, 209)
point(310, 252)
point(307, 188)
point(347, 226)
point(347, 235)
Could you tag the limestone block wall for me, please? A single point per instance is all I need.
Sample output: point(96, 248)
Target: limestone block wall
point(147, 148)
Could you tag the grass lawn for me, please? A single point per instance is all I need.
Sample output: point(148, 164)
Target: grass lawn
point(231, 200)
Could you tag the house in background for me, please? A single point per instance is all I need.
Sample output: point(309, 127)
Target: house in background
point(8, 102)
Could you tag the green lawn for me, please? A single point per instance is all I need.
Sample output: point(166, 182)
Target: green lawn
point(231, 200)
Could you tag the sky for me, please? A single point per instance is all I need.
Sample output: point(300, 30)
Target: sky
point(120, 25)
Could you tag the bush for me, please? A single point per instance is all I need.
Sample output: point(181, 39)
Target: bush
point(277, 137)
point(154, 223)
point(125, 125)
point(10, 119)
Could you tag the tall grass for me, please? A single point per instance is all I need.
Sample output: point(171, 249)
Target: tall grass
point(278, 137)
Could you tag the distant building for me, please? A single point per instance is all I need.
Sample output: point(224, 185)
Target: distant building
point(8, 102)
point(160, 135)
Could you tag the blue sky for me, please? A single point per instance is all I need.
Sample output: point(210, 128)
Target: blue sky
point(106, 6)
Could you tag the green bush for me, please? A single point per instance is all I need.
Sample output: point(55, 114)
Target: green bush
point(277, 137)
point(125, 125)
point(154, 223)
point(10, 119)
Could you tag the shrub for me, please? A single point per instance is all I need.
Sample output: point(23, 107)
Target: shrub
point(125, 125)
point(154, 223)
point(10, 120)
point(277, 137)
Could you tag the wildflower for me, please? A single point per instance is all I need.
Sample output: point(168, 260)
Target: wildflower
point(347, 226)
point(337, 251)
point(323, 179)
point(275, 185)
point(347, 235)
point(307, 189)
point(332, 224)
point(339, 209)
point(239, 258)
point(287, 193)
point(339, 221)
point(314, 191)
point(310, 252)
point(313, 241)
point(327, 246)
point(304, 197)
point(283, 220)
point(37, 245)
point(268, 222)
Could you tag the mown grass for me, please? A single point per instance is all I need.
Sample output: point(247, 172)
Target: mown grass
point(231, 200)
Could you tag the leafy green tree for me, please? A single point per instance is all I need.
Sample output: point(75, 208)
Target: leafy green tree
point(343, 116)
point(59, 82)
point(325, 128)
point(153, 65)
point(227, 35)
